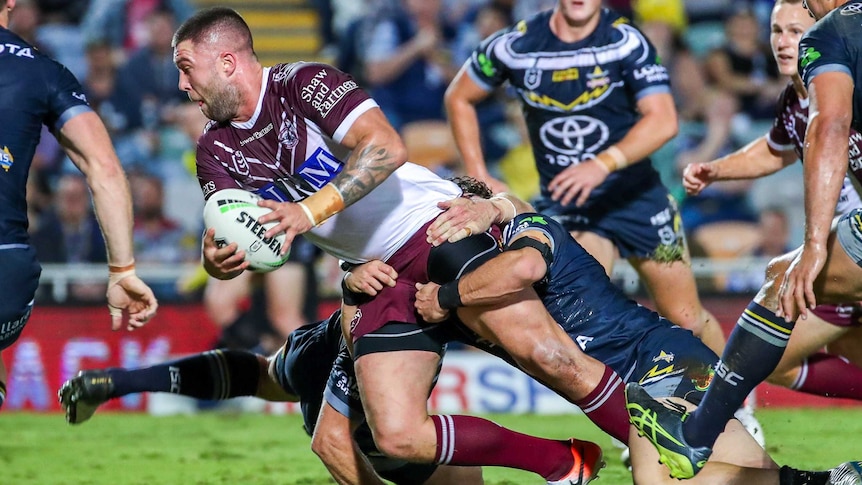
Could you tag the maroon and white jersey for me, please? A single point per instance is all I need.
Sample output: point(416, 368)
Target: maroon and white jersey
point(290, 148)
point(788, 133)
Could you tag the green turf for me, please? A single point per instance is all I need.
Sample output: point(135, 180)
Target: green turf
point(214, 448)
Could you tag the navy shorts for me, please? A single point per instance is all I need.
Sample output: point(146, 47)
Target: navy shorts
point(19, 278)
point(672, 362)
point(642, 223)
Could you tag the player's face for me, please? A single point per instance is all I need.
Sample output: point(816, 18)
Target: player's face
point(789, 22)
point(218, 99)
point(819, 8)
point(579, 12)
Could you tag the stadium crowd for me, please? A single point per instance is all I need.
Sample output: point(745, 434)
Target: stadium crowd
point(723, 76)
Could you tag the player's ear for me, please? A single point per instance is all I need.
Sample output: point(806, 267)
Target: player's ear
point(10, 4)
point(227, 62)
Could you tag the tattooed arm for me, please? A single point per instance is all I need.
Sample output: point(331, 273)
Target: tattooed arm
point(377, 151)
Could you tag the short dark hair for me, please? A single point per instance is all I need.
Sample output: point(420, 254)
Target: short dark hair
point(215, 21)
point(471, 186)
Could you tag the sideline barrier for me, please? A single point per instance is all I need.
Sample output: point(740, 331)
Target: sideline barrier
point(60, 340)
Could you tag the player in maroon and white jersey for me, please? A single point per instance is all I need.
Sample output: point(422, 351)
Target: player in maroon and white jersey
point(308, 140)
point(803, 366)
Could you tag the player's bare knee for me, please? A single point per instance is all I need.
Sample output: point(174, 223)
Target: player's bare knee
point(397, 442)
point(768, 294)
point(783, 377)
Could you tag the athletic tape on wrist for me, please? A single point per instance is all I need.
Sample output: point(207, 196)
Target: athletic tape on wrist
point(323, 204)
point(511, 204)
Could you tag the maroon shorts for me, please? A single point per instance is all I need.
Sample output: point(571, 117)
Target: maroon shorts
point(395, 304)
point(840, 315)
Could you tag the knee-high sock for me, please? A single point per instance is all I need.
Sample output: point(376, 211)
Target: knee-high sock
point(216, 374)
point(829, 375)
point(472, 441)
point(753, 350)
point(606, 406)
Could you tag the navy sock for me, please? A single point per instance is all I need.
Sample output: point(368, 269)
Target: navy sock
point(216, 374)
point(792, 476)
point(753, 350)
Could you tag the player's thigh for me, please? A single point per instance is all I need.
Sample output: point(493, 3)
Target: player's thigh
point(599, 247)
point(394, 387)
point(849, 345)
point(672, 287)
point(462, 475)
point(19, 279)
point(841, 277)
point(809, 335)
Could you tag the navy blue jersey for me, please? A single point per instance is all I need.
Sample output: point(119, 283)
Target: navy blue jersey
point(578, 98)
point(596, 314)
point(832, 44)
point(36, 90)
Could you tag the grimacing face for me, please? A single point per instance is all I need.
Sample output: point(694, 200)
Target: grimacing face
point(788, 23)
point(217, 98)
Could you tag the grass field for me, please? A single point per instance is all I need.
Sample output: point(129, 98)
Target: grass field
point(214, 448)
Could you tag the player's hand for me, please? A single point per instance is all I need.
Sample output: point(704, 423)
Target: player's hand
point(577, 181)
point(698, 176)
point(292, 220)
point(133, 297)
point(222, 263)
point(427, 305)
point(462, 217)
point(796, 294)
point(370, 278)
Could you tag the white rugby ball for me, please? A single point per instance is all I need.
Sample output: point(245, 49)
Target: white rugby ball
point(233, 213)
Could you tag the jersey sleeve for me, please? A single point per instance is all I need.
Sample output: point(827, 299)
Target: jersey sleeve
point(485, 67)
point(527, 222)
point(328, 97)
point(822, 49)
point(642, 69)
point(65, 96)
point(778, 138)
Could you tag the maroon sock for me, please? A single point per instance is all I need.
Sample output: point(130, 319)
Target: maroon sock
point(831, 376)
point(606, 406)
point(472, 441)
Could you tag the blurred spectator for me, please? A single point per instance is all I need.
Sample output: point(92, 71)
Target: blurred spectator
point(408, 62)
point(116, 105)
point(745, 68)
point(157, 238)
point(121, 24)
point(69, 233)
point(149, 75)
point(775, 241)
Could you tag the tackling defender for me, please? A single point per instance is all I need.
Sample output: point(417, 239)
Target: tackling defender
point(637, 343)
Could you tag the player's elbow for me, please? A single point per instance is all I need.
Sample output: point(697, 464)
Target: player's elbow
point(330, 443)
point(527, 266)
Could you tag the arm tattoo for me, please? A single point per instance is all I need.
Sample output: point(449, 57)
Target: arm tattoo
point(364, 170)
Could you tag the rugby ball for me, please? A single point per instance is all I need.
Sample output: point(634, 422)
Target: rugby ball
point(233, 213)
